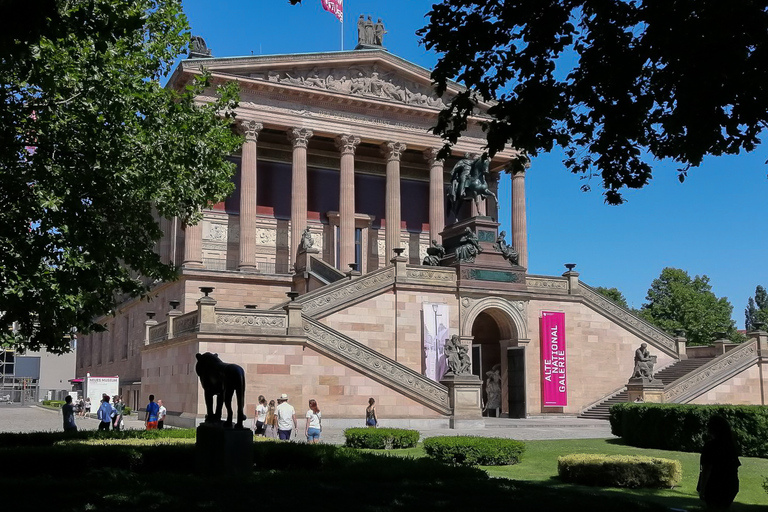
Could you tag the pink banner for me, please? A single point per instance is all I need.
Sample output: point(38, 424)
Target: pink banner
point(335, 7)
point(554, 387)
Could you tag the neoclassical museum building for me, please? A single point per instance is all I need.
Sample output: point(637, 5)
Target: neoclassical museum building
point(313, 274)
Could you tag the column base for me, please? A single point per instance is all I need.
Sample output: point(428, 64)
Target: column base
point(248, 268)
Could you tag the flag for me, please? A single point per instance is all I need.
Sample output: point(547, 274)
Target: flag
point(335, 7)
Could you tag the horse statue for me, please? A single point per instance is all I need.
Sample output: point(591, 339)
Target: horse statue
point(468, 182)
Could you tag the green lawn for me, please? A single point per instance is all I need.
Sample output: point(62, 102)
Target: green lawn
point(539, 465)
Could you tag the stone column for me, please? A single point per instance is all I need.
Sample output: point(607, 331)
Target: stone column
point(392, 151)
point(251, 131)
point(299, 137)
point(193, 246)
point(519, 228)
point(346, 145)
point(436, 194)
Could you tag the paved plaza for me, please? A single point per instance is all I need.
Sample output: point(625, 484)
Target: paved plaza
point(32, 418)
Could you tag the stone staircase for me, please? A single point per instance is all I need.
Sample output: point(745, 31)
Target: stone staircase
point(668, 375)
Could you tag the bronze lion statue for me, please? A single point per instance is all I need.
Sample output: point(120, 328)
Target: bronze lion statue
point(221, 380)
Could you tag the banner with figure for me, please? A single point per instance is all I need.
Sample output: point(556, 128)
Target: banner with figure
point(335, 7)
point(554, 384)
point(436, 322)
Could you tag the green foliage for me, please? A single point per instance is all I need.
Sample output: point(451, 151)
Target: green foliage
point(616, 84)
point(677, 302)
point(126, 411)
point(619, 470)
point(381, 438)
point(614, 295)
point(474, 451)
point(50, 438)
point(53, 403)
point(757, 309)
point(683, 427)
point(92, 152)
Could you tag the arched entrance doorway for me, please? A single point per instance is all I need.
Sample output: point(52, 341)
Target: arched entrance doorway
point(495, 348)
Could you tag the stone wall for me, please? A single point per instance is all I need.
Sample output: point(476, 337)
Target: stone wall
point(744, 388)
point(599, 357)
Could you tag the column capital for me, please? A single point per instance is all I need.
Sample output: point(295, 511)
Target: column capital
point(392, 150)
point(299, 137)
point(347, 143)
point(250, 129)
point(430, 155)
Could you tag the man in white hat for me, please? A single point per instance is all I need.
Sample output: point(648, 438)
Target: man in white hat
point(286, 418)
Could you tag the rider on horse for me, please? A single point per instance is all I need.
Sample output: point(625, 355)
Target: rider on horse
point(468, 182)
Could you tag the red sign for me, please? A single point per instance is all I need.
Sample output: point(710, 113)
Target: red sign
point(335, 7)
point(554, 386)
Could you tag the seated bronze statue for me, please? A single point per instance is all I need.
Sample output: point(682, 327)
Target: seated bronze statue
point(221, 380)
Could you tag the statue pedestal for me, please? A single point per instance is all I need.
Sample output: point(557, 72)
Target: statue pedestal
point(647, 390)
point(465, 400)
point(490, 270)
point(223, 450)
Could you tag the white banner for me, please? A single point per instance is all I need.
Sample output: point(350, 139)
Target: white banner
point(436, 324)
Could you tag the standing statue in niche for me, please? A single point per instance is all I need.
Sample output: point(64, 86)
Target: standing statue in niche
point(509, 252)
point(469, 247)
point(643, 363)
point(221, 380)
point(493, 389)
point(434, 254)
point(457, 357)
point(468, 182)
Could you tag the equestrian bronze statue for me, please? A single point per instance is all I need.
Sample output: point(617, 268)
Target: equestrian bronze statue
point(469, 182)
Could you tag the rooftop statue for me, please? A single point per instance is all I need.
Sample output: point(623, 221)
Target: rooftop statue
point(468, 182)
point(370, 33)
point(198, 48)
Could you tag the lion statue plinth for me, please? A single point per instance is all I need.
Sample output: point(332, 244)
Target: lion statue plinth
point(221, 380)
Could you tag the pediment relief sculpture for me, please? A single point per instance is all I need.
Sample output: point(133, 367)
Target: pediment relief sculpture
point(357, 82)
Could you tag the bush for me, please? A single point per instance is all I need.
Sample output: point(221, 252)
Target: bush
point(381, 438)
point(619, 470)
point(683, 427)
point(474, 451)
point(126, 411)
point(53, 403)
point(51, 438)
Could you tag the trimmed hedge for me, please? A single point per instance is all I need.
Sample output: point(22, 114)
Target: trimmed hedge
point(381, 438)
point(54, 403)
point(619, 470)
point(51, 438)
point(683, 427)
point(474, 451)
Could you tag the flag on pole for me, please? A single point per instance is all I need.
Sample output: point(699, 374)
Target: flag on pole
point(335, 7)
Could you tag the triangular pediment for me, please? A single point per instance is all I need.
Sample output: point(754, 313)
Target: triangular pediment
point(374, 74)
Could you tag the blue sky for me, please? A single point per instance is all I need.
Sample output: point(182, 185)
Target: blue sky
point(712, 224)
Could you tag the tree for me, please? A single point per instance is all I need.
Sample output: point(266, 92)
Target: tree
point(93, 150)
point(614, 295)
point(757, 309)
point(675, 302)
point(615, 83)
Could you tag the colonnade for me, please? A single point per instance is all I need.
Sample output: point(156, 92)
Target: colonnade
point(347, 145)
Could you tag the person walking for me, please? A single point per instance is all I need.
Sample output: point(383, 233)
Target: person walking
point(371, 421)
point(261, 417)
point(150, 418)
point(68, 415)
point(87, 413)
point(104, 414)
point(161, 414)
point(270, 426)
point(314, 423)
point(286, 418)
point(719, 475)
point(119, 406)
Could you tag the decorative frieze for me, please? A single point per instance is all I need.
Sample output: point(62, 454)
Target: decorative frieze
point(157, 332)
point(357, 81)
point(252, 320)
point(185, 323)
point(344, 293)
point(396, 375)
point(555, 284)
point(266, 236)
point(438, 276)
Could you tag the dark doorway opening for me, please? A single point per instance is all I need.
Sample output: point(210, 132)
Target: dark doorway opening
point(516, 381)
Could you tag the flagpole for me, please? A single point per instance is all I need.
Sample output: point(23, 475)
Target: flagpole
point(342, 32)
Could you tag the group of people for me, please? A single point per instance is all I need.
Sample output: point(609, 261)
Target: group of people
point(279, 421)
point(154, 418)
point(109, 413)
